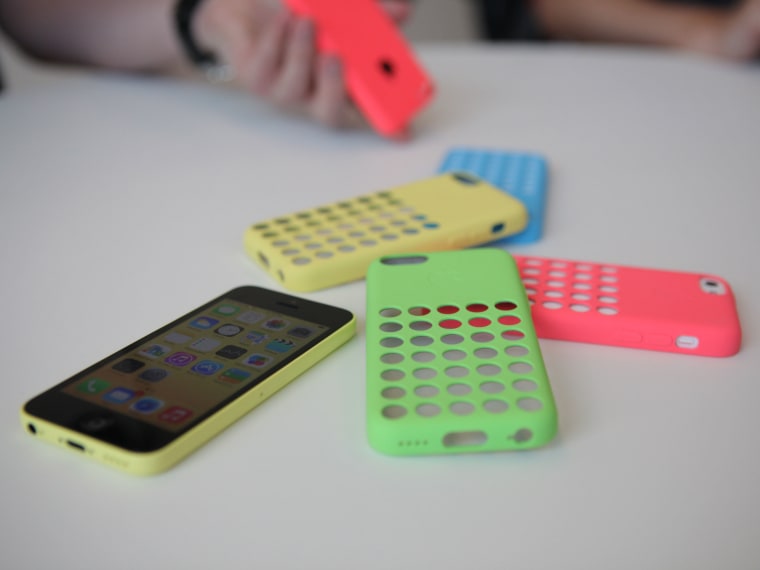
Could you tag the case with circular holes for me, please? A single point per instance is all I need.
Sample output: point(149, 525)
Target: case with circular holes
point(522, 174)
point(334, 244)
point(687, 313)
point(453, 363)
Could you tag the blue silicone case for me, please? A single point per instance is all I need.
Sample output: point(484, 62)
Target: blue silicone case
point(521, 174)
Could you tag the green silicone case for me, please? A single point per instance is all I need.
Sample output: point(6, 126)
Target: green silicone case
point(453, 362)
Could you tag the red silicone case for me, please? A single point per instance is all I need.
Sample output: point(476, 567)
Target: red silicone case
point(688, 313)
point(381, 72)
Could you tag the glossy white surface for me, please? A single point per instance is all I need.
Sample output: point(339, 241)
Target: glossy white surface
point(122, 205)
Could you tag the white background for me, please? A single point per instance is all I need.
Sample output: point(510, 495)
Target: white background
point(122, 205)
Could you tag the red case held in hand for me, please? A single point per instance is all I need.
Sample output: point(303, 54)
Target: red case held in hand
point(381, 72)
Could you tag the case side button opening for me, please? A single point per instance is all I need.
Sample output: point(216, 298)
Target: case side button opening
point(687, 341)
point(75, 445)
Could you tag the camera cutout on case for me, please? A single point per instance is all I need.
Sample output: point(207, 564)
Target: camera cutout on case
point(387, 67)
point(406, 260)
point(712, 286)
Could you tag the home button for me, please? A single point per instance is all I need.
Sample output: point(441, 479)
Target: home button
point(96, 422)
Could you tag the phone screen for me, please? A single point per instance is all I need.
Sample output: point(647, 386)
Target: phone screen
point(184, 372)
point(152, 391)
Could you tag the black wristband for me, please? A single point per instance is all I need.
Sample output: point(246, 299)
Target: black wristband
point(184, 10)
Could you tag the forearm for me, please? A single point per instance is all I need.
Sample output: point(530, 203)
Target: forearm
point(631, 21)
point(121, 34)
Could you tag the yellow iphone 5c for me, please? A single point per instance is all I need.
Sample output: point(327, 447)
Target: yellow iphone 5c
point(150, 404)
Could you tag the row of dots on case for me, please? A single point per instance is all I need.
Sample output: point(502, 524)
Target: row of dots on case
point(453, 354)
point(451, 339)
point(459, 389)
point(456, 371)
point(461, 408)
point(420, 311)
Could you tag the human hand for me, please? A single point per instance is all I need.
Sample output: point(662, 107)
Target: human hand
point(741, 39)
point(273, 55)
point(734, 34)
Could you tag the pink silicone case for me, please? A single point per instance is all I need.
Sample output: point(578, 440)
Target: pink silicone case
point(381, 72)
point(671, 311)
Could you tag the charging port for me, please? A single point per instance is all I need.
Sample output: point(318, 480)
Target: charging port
point(464, 438)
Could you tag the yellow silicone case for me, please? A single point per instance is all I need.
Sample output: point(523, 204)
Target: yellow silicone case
point(155, 462)
point(326, 246)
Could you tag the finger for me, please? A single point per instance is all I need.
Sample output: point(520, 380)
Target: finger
point(398, 10)
point(329, 103)
point(294, 81)
point(228, 35)
point(741, 40)
point(262, 66)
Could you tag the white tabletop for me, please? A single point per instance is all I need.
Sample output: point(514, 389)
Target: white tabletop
point(122, 205)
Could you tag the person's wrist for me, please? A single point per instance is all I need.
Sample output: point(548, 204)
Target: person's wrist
point(201, 57)
point(702, 33)
point(740, 39)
